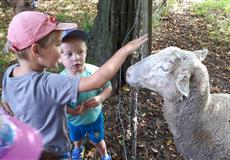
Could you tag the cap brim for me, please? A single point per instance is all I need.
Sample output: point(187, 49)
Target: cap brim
point(65, 26)
point(76, 33)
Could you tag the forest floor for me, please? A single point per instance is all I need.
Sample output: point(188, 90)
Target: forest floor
point(154, 140)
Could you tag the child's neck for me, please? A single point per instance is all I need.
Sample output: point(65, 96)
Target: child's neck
point(25, 68)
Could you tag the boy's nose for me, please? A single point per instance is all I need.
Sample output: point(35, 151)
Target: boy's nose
point(75, 56)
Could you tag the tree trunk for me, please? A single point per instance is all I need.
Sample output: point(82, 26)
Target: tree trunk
point(146, 21)
point(118, 22)
point(110, 31)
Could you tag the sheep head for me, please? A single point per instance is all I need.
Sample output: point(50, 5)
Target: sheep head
point(166, 72)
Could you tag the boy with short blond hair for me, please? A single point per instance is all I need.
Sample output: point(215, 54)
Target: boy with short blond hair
point(73, 57)
point(37, 97)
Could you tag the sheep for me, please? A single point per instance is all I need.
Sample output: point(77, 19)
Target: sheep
point(198, 120)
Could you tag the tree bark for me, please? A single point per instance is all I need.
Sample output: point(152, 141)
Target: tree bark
point(110, 31)
point(118, 22)
point(146, 21)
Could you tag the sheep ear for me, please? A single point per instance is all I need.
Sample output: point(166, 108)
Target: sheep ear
point(182, 83)
point(201, 54)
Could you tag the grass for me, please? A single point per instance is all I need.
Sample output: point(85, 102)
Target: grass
point(212, 6)
point(217, 15)
point(81, 12)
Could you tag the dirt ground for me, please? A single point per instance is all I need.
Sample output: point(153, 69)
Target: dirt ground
point(154, 140)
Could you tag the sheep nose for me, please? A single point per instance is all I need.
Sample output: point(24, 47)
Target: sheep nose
point(129, 77)
point(127, 74)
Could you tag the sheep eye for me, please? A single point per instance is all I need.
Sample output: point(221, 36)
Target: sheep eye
point(164, 69)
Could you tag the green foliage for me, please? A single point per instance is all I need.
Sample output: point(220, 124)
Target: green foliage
point(156, 17)
point(5, 60)
point(81, 12)
point(5, 16)
point(157, 14)
point(86, 23)
point(217, 15)
point(63, 17)
point(221, 7)
point(60, 68)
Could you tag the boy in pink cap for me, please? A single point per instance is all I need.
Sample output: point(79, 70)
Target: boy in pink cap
point(37, 97)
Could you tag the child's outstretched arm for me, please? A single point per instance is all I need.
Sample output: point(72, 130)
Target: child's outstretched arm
point(109, 69)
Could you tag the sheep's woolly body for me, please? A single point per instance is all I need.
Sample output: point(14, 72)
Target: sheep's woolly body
point(199, 121)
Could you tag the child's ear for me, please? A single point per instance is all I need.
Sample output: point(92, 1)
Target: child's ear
point(35, 50)
point(59, 61)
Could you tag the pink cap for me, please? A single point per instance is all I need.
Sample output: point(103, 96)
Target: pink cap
point(29, 27)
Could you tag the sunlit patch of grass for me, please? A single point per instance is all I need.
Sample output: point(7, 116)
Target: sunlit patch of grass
point(222, 7)
point(217, 15)
point(82, 12)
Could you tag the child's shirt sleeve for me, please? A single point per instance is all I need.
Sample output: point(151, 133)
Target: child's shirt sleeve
point(61, 88)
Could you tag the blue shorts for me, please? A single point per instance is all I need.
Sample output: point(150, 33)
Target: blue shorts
point(95, 130)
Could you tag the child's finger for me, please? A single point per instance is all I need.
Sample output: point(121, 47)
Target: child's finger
point(83, 108)
point(139, 41)
point(91, 104)
point(87, 103)
point(142, 38)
